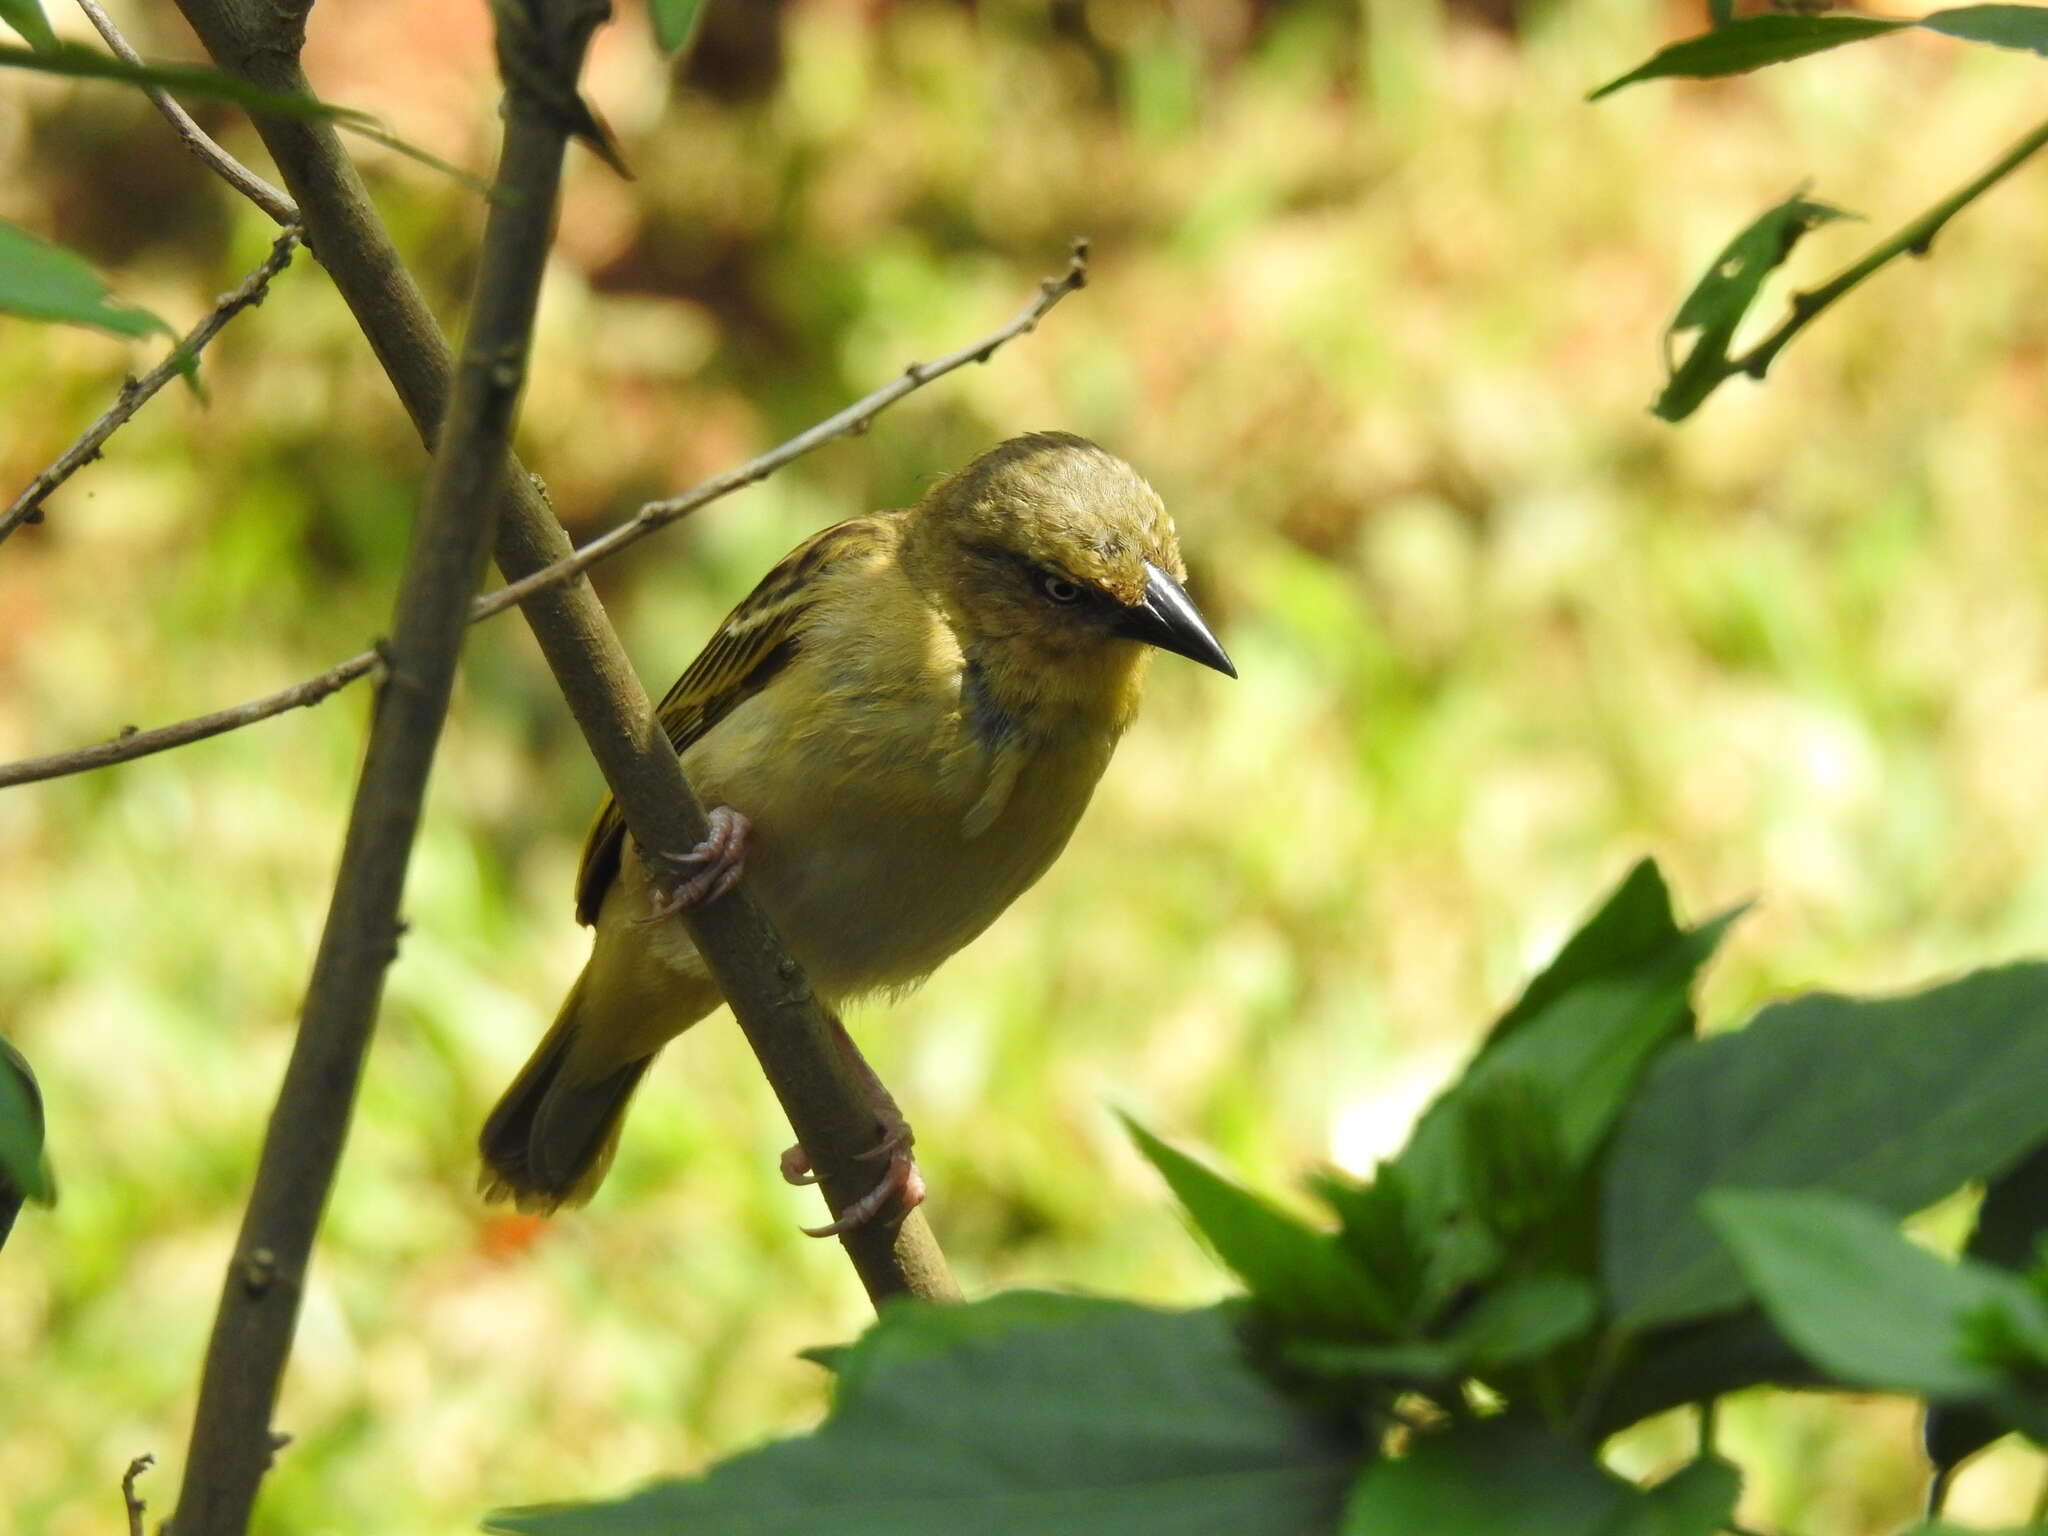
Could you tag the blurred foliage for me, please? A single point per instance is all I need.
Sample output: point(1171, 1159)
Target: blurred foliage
point(1376, 307)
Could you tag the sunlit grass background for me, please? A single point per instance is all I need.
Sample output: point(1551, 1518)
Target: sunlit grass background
point(1376, 304)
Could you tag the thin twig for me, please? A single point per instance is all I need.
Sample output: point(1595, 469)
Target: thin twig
point(131, 743)
point(1914, 239)
point(134, 1503)
point(654, 515)
point(195, 138)
point(27, 507)
point(232, 1440)
point(850, 422)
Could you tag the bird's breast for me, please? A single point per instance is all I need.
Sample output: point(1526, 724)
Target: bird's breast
point(877, 848)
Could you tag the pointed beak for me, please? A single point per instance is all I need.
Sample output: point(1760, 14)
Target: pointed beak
point(1168, 619)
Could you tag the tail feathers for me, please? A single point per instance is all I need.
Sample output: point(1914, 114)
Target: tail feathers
point(551, 1138)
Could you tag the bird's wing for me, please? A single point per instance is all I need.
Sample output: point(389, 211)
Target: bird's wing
point(757, 640)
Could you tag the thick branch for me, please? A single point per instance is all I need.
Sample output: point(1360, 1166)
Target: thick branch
point(27, 507)
point(651, 517)
point(789, 1031)
point(252, 1333)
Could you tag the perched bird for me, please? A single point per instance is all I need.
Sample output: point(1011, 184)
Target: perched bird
point(898, 730)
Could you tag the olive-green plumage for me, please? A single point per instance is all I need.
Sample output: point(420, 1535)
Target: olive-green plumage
point(912, 709)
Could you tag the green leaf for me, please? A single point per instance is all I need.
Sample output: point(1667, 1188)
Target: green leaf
point(2010, 1224)
point(1631, 927)
point(1074, 1417)
point(23, 1171)
point(46, 282)
point(1898, 1101)
point(27, 18)
point(1859, 1300)
point(1522, 1319)
point(1752, 43)
point(676, 22)
point(2005, 26)
point(1718, 302)
point(1488, 1477)
point(1304, 1276)
point(1697, 1500)
point(180, 79)
point(1578, 1056)
point(1527, 1318)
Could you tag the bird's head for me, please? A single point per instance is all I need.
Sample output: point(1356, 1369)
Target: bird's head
point(1057, 558)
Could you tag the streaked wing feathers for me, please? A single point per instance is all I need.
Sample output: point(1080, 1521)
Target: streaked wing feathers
point(757, 640)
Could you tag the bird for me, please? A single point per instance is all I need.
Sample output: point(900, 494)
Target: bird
point(897, 732)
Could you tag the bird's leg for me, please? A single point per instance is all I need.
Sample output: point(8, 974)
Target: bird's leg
point(901, 1183)
point(706, 872)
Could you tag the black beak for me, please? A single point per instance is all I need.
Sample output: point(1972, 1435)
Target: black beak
point(1169, 620)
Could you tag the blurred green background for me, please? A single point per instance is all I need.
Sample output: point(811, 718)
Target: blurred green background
point(1375, 305)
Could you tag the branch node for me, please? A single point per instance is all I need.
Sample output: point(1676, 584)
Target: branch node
point(259, 1271)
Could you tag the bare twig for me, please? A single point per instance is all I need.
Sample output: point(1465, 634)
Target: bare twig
point(135, 1505)
point(791, 1034)
point(232, 1441)
point(27, 507)
point(651, 517)
point(853, 420)
point(131, 743)
point(190, 134)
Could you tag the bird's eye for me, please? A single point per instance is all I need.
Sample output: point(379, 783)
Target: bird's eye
point(1058, 588)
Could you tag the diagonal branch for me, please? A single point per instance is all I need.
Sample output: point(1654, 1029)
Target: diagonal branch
point(252, 1333)
point(655, 515)
point(27, 507)
point(789, 1031)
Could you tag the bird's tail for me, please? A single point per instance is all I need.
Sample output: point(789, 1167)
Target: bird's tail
point(551, 1138)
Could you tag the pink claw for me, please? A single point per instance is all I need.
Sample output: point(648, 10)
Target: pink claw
point(902, 1184)
point(722, 857)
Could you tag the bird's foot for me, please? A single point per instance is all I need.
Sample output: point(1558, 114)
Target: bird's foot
point(706, 872)
point(901, 1186)
point(900, 1191)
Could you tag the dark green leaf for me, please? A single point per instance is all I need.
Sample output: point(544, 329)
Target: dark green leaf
point(1305, 1277)
point(27, 18)
point(23, 1171)
point(1752, 43)
point(1695, 1361)
point(676, 22)
point(47, 282)
point(2007, 26)
point(1075, 1418)
point(1859, 1300)
point(1696, 1500)
point(1897, 1101)
point(1485, 1478)
point(2010, 1224)
point(1720, 12)
point(1717, 304)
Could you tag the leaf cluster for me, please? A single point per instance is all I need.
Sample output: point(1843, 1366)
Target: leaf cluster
point(1605, 1216)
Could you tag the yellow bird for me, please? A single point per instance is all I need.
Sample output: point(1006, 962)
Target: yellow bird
point(898, 730)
